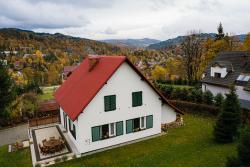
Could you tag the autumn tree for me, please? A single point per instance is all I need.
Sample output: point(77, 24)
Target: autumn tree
point(192, 49)
point(246, 43)
point(158, 73)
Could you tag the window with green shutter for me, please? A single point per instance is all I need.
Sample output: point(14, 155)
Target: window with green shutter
point(69, 124)
point(96, 133)
point(110, 103)
point(119, 128)
point(149, 121)
point(129, 126)
point(136, 99)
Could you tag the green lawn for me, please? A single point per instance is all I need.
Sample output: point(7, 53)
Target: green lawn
point(14, 159)
point(181, 86)
point(47, 93)
point(46, 96)
point(188, 146)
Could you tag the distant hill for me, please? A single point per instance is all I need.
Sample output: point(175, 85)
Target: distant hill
point(14, 39)
point(179, 40)
point(132, 42)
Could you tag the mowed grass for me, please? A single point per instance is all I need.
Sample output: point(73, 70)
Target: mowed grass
point(189, 146)
point(181, 86)
point(46, 96)
point(47, 93)
point(14, 159)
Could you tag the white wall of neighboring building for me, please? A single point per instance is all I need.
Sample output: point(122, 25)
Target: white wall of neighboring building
point(217, 69)
point(167, 114)
point(242, 94)
point(214, 89)
point(123, 82)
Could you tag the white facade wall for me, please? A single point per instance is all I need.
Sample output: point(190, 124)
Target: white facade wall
point(167, 114)
point(123, 82)
point(242, 94)
point(217, 69)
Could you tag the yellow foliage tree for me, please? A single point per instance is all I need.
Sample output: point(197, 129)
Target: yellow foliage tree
point(246, 43)
point(158, 73)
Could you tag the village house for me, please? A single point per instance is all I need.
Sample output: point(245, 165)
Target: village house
point(106, 101)
point(229, 68)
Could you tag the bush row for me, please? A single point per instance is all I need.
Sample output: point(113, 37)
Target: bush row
point(179, 82)
point(194, 95)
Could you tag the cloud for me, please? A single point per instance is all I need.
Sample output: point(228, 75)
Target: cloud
point(109, 30)
point(102, 19)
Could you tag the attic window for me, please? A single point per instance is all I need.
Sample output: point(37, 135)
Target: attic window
point(217, 75)
point(243, 78)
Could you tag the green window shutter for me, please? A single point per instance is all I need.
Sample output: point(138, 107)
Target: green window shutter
point(113, 102)
point(96, 133)
point(74, 131)
point(106, 103)
point(137, 99)
point(110, 103)
point(69, 124)
point(129, 126)
point(149, 121)
point(119, 128)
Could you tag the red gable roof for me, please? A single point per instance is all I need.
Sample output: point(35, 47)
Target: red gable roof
point(83, 84)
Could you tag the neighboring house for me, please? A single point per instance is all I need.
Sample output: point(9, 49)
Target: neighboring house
point(67, 71)
point(229, 68)
point(107, 101)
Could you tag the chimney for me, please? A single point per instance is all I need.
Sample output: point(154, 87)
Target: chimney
point(93, 61)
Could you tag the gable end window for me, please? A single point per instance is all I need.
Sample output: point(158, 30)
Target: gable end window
point(137, 99)
point(110, 103)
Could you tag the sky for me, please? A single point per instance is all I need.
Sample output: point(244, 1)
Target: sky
point(122, 19)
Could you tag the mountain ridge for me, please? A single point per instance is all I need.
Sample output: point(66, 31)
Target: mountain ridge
point(141, 43)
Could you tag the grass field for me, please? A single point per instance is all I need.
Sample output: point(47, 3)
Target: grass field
point(181, 86)
point(47, 93)
point(14, 159)
point(189, 146)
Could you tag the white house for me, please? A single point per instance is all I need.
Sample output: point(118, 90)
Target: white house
point(106, 101)
point(229, 68)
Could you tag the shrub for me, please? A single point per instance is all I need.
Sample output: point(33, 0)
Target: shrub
point(64, 158)
point(57, 160)
point(208, 97)
point(229, 119)
point(196, 95)
point(218, 100)
point(74, 156)
point(37, 165)
point(233, 162)
point(168, 91)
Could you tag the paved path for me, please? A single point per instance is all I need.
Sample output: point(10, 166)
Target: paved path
point(11, 135)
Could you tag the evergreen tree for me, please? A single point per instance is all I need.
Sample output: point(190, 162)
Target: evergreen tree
point(7, 93)
point(244, 147)
point(208, 97)
point(229, 119)
point(218, 100)
point(220, 34)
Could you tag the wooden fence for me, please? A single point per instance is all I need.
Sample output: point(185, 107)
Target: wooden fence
point(44, 121)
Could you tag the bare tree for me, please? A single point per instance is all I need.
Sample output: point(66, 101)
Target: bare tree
point(192, 50)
